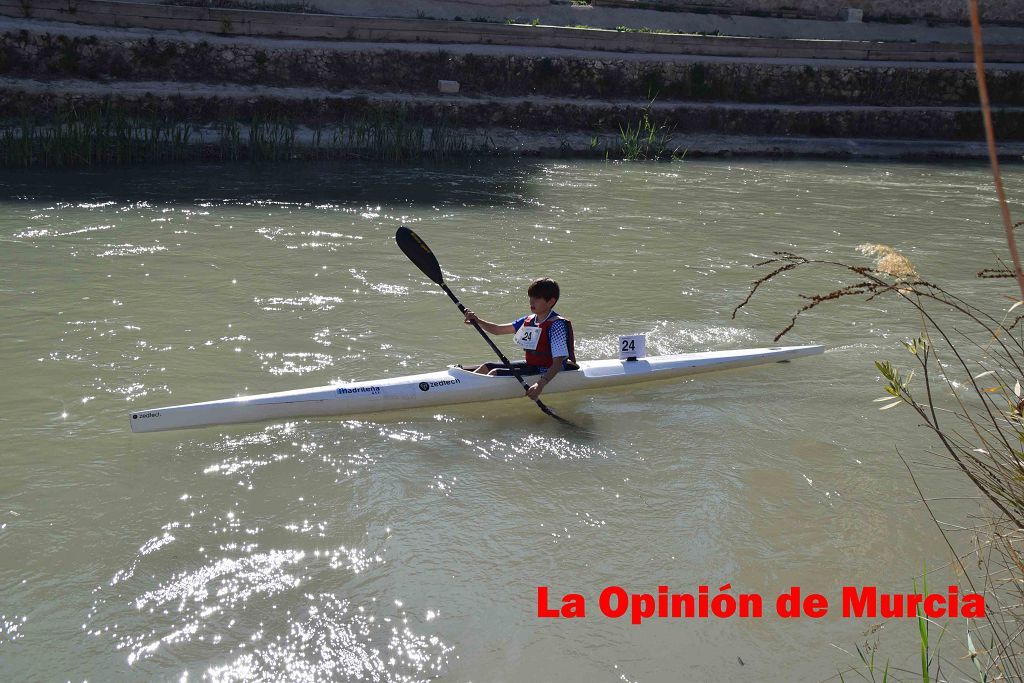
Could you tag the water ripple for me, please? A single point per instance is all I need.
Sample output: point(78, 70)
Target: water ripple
point(534, 447)
point(130, 250)
point(334, 640)
point(309, 302)
point(296, 363)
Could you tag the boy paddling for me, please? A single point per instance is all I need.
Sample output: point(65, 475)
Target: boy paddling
point(545, 337)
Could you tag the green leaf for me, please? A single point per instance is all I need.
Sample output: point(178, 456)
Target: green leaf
point(973, 651)
point(922, 626)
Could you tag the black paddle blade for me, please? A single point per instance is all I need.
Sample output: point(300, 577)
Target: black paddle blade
point(419, 253)
point(561, 419)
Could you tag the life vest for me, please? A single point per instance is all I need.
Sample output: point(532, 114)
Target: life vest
point(541, 357)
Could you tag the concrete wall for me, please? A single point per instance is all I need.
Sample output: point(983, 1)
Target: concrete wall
point(996, 11)
point(382, 30)
point(214, 79)
point(812, 19)
point(251, 62)
point(546, 117)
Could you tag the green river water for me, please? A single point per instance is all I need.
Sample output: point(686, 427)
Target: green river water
point(409, 546)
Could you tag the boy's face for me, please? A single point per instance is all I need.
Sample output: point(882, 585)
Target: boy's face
point(540, 306)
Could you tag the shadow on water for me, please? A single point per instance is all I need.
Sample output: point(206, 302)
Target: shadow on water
point(478, 182)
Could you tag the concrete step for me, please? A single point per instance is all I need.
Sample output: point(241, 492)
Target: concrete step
point(53, 50)
point(204, 104)
point(1007, 12)
point(382, 29)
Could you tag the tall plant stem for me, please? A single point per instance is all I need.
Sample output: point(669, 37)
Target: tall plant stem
point(990, 137)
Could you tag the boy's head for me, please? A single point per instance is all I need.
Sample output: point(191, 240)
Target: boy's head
point(543, 293)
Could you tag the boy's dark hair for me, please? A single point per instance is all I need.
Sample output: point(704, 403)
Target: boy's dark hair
point(544, 287)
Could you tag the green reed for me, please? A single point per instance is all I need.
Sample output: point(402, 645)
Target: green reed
point(104, 135)
point(298, 7)
point(76, 137)
point(645, 139)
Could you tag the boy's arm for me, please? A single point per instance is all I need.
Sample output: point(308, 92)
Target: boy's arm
point(493, 328)
point(556, 367)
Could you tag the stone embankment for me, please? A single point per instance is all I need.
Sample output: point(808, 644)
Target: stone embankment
point(509, 99)
point(1007, 11)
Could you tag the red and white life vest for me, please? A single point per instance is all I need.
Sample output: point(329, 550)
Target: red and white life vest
point(541, 356)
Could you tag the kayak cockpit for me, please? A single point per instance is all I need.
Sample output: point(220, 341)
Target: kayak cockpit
point(524, 369)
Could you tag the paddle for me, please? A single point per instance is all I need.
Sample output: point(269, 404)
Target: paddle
point(420, 254)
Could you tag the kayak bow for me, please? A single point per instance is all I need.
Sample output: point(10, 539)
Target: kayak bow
point(447, 387)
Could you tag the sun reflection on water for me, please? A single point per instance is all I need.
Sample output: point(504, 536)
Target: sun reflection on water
point(532, 447)
point(333, 641)
point(10, 627)
point(259, 577)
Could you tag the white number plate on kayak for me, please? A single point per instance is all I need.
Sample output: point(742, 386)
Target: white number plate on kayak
point(528, 337)
point(632, 346)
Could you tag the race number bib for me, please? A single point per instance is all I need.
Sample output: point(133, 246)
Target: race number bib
point(528, 337)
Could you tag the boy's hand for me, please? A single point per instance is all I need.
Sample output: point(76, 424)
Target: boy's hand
point(534, 391)
point(470, 317)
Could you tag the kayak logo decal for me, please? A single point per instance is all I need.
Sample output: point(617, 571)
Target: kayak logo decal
point(142, 416)
point(425, 386)
point(359, 390)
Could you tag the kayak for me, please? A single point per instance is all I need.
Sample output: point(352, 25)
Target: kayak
point(446, 387)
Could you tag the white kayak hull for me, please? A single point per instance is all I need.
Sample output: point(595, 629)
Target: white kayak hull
point(447, 387)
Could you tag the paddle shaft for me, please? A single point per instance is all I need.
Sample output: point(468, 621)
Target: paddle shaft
point(508, 364)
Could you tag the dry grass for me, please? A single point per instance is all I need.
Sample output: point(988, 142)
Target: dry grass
point(890, 262)
point(964, 386)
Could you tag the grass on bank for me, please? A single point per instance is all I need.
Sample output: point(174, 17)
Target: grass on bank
point(305, 7)
point(873, 672)
point(106, 133)
point(74, 137)
point(645, 139)
point(296, 7)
